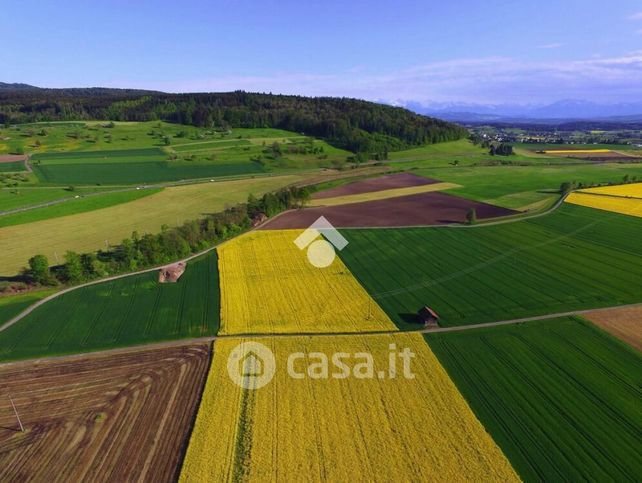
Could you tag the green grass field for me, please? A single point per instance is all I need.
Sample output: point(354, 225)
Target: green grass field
point(464, 153)
point(12, 305)
point(99, 157)
point(140, 153)
point(128, 311)
point(23, 196)
point(74, 206)
point(138, 173)
point(96, 136)
point(12, 167)
point(93, 230)
point(560, 397)
point(518, 187)
point(575, 258)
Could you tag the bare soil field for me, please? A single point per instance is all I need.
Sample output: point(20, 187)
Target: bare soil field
point(12, 158)
point(391, 181)
point(432, 208)
point(119, 416)
point(624, 323)
point(597, 155)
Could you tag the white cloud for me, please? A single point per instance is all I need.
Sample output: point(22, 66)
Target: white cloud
point(635, 16)
point(489, 80)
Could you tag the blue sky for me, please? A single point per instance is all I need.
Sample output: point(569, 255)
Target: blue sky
point(430, 51)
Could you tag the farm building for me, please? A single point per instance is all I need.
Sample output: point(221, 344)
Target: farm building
point(428, 317)
point(259, 219)
point(171, 273)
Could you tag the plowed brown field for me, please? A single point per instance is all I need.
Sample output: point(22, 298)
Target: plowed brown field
point(624, 323)
point(414, 210)
point(120, 416)
point(381, 183)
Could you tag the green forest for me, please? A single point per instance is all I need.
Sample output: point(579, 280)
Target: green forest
point(355, 125)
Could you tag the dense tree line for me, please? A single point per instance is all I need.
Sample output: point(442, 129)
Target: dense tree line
point(171, 244)
point(351, 124)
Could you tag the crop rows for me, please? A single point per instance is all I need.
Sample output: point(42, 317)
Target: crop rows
point(135, 172)
point(127, 311)
point(560, 397)
point(99, 157)
point(102, 417)
point(12, 166)
point(564, 261)
point(334, 429)
point(268, 285)
point(626, 202)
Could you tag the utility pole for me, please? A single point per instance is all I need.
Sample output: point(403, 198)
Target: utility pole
point(22, 428)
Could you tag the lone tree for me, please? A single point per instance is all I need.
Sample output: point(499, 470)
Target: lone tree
point(566, 187)
point(39, 269)
point(73, 268)
point(471, 216)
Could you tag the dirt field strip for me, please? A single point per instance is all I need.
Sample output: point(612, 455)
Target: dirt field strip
point(383, 194)
point(89, 418)
point(625, 323)
point(12, 158)
point(379, 183)
point(422, 209)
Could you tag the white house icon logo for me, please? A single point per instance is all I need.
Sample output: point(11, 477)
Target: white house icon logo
point(321, 253)
point(251, 365)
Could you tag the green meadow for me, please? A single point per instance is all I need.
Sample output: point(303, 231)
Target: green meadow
point(560, 397)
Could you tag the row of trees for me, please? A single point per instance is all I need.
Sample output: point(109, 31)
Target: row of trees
point(355, 125)
point(568, 186)
point(148, 250)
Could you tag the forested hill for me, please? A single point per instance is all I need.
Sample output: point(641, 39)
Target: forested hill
point(356, 125)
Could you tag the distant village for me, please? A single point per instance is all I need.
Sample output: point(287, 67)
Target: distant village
point(546, 135)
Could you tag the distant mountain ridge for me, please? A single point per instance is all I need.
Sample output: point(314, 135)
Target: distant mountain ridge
point(563, 110)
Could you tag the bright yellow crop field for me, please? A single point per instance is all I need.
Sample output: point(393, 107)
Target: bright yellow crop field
point(577, 151)
point(383, 194)
point(633, 190)
point(334, 429)
point(625, 206)
point(269, 286)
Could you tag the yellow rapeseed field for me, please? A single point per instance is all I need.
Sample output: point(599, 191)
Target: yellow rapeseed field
point(625, 206)
point(577, 151)
point(383, 194)
point(269, 286)
point(335, 429)
point(632, 190)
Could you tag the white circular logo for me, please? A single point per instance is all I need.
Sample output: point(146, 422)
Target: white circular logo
point(251, 365)
point(321, 253)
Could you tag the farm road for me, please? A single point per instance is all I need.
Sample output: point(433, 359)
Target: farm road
point(180, 342)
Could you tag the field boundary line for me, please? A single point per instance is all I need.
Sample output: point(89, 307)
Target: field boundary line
point(43, 301)
point(214, 338)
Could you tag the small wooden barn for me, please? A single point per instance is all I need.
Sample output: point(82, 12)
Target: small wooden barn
point(171, 273)
point(259, 219)
point(428, 317)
